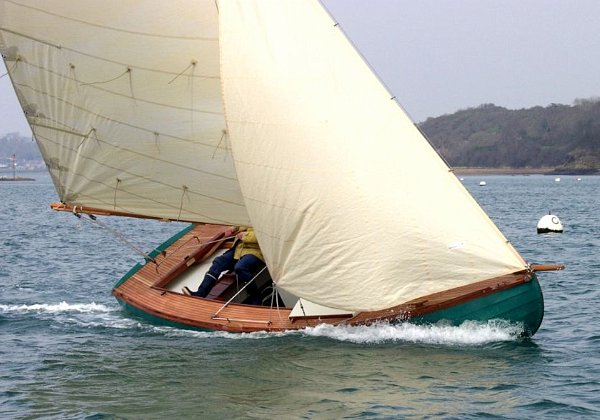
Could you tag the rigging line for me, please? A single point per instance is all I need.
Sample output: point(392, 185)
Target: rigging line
point(108, 81)
point(40, 41)
point(127, 31)
point(203, 217)
point(149, 69)
point(133, 152)
point(115, 196)
point(84, 138)
point(238, 292)
point(223, 134)
point(118, 235)
point(185, 188)
point(12, 69)
point(110, 92)
point(193, 63)
point(275, 297)
point(105, 118)
point(191, 84)
point(131, 84)
point(96, 57)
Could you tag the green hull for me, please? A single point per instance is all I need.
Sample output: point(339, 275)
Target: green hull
point(153, 254)
point(523, 304)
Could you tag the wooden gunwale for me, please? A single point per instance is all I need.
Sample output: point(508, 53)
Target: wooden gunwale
point(145, 290)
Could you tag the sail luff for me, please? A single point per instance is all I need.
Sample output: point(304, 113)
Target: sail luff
point(467, 195)
point(352, 207)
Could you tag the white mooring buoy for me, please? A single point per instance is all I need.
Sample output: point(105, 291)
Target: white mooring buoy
point(482, 184)
point(549, 223)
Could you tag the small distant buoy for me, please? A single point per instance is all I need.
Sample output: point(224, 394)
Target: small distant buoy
point(549, 223)
point(578, 179)
point(482, 184)
point(462, 179)
point(557, 179)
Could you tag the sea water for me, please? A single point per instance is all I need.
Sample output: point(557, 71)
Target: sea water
point(68, 351)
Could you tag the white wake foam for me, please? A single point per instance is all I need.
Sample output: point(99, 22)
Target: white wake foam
point(62, 307)
point(469, 333)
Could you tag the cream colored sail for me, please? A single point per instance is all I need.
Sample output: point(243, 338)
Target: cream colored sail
point(124, 99)
point(352, 207)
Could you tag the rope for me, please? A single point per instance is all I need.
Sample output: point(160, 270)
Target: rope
point(185, 188)
point(115, 196)
point(274, 296)
point(14, 66)
point(103, 59)
point(118, 235)
point(110, 80)
point(226, 304)
point(131, 84)
point(223, 134)
point(84, 138)
point(193, 63)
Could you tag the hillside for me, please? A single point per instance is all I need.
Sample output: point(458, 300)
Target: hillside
point(564, 137)
point(23, 147)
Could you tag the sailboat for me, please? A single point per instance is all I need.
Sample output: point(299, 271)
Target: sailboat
point(235, 113)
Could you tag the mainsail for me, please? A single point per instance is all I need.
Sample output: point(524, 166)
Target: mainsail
point(248, 112)
point(124, 99)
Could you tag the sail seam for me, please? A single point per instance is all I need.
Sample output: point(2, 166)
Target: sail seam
point(106, 60)
point(40, 41)
point(82, 156)
point(154, 133)
point(123, 149)
point(96, 25)
point(201, 216)
point(92, 86)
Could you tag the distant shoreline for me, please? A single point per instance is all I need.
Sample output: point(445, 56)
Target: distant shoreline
point(522, 171)
point(501, 171)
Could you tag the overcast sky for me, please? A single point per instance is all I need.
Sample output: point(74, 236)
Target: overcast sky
point(439, 56)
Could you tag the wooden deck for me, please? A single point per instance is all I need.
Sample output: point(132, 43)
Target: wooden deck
point(146, 291)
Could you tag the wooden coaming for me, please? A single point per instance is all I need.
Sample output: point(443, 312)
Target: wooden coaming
point(145, 291)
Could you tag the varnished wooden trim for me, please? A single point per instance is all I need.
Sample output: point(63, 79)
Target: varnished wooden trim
point(140, 291)
point(102, 212)
point(192, 259)
point(445, 299)
point(547, 267)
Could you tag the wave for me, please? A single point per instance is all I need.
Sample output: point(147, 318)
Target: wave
point(468, 333)
point(62, 307)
